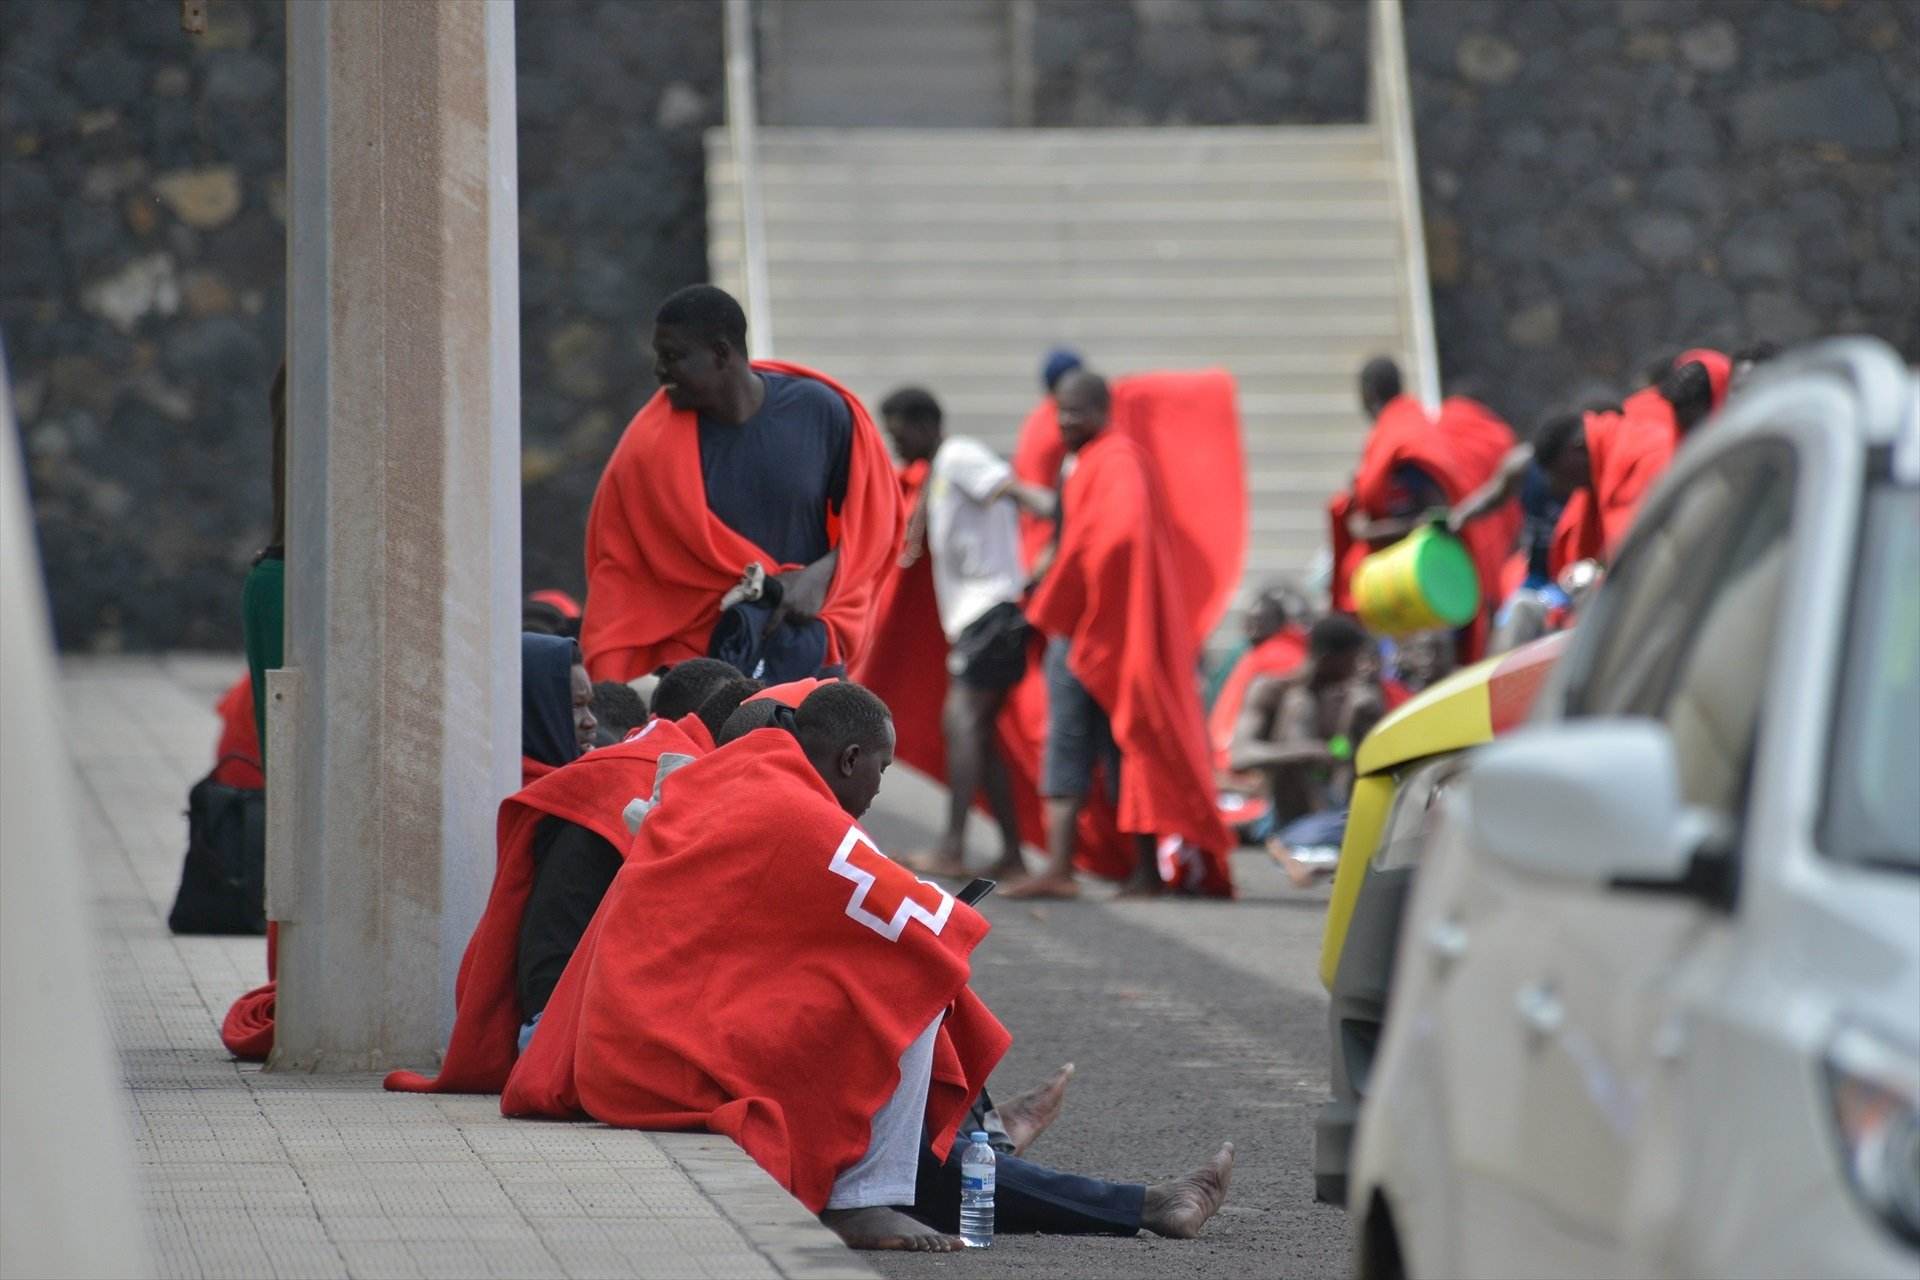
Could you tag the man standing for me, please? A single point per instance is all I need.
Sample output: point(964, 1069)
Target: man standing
point(1120, 669)
point(733, 464)
point(965, 522)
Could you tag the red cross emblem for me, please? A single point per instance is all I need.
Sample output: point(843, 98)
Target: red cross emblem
point(885, 894)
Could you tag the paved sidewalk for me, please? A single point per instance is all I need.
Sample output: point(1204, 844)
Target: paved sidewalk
point(248, 1173)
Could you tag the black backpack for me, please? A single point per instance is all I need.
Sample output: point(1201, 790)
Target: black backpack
point(223, 883)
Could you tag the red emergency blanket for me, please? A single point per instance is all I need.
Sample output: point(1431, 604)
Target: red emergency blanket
point(1189, 425)
point(658, 560)
point(591, 792)
point(237, 755)
point(1460, 449)
point(1115, 591)
point(756, 970)
point(1279, 654)
point(1626, 452)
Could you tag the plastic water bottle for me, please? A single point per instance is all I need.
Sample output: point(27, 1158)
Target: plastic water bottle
point(976, 1193)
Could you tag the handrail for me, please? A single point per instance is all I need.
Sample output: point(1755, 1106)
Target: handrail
point(742, 140)
point(1393, 116)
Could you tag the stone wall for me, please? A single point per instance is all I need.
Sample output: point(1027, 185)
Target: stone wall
point(1198, 62)
point(142, 232)
point(142, 250)
point(1603, 178)
point(1606, 181)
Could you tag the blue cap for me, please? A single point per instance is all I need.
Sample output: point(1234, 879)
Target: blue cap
point(979, 1135)
point(1060, 362)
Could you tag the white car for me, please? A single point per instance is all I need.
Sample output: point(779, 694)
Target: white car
point(1657, 1003)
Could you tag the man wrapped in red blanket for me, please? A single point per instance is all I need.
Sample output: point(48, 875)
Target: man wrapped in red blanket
point(1120, 669)
point(732, 464)
point(760, 969)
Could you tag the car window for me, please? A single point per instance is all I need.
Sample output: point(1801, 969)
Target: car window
point(1653, 595)
point(1713, 706)
point(1873, 799)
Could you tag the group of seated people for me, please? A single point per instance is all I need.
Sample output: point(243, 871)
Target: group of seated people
point(686, 924)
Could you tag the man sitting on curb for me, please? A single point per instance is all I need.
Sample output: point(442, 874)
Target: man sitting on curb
point(814, 947)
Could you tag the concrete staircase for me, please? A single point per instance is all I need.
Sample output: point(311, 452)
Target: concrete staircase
point(955, 258)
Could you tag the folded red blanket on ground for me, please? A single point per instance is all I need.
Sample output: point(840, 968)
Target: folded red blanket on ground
point(756, 970)
point(658, 560)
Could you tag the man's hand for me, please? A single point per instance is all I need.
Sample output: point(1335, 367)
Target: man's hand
point(804, 591)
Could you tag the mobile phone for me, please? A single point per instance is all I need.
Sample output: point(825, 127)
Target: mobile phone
point(976, 890)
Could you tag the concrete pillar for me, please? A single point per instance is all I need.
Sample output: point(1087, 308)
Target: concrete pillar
point(395, 727)
point(67, 1201)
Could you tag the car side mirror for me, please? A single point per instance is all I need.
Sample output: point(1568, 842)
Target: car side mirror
point(1596, 801)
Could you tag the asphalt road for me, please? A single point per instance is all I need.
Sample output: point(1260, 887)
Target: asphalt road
point(1190, 1022)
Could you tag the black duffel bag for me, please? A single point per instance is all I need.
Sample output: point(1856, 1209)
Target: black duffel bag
point(223, 883)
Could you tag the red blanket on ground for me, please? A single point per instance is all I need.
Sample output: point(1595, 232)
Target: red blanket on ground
point(237, 756)
point(1189, 425)
point(1116, 593)
point(658, 560)
point(1278, 655)
point(591, 792)
point(756, 970)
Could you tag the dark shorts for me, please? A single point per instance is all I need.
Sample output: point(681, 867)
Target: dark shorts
point(1079, 735)
point(991, 653)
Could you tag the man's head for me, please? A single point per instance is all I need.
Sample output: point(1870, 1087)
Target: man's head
point(1689, 389)
point(1060, 362)
point(580, 686)
point(618, 708)
point(913, 421)
point(687, 684)
point(1082, 402)
point(1560, 447)
point(1379, 383)
point(1270, 611)
point(1335, 646)
point(759, 713)
point(847, 732)
point(699, 346)
point(724, 701)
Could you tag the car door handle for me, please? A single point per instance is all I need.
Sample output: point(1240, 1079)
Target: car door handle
point(1540, 1009)
point(1446, 940)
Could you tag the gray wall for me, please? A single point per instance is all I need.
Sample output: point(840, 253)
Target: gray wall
point(1601, 179)
point(1605, 181)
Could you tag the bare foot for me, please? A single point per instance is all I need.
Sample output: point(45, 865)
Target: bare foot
point(1050, 884)
point(884, 1228)
point(1027, 1116)
point(1181, 1207)
point(933, 862)
point(1010, 867)
point(1302, 875)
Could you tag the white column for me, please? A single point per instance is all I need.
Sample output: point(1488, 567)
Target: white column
point(395, 729)
point(67, 1201)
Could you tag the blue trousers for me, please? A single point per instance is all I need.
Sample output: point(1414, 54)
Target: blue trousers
point(1028, 1197)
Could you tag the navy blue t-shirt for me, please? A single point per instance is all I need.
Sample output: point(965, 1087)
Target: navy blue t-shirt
point(773, 478)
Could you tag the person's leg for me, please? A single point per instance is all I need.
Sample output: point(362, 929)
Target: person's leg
point(1066, 774)
point(1030, 1197)
point(967, 719)
point(999, 788)
point(859, 1209)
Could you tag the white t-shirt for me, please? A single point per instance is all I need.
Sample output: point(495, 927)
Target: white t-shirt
point(975, 544)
